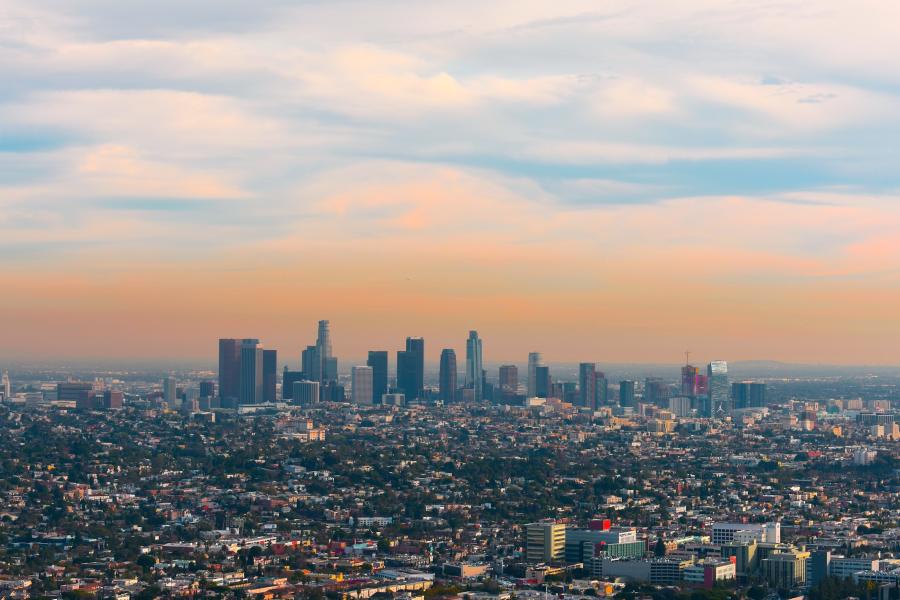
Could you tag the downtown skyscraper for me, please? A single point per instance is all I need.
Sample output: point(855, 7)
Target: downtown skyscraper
point(411, 369)
point(447, 375)
point(318, 362)
point(475, 366)
point(229, 371)
point(587, 385)
point(534, 361)
point(378, 360)
point(719, 392)
point(251, 372)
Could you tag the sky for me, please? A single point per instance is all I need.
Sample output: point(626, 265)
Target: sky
point(612, 181)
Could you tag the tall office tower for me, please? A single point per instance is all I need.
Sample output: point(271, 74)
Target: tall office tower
point(542, 382)
point(305, 393)
point(329, 364)
point(740, 394)
point(717, 372)
point(361, 378)
point(169, 390)
point(689, 380)
point(474, 366)
point(534, 361)
point(448, 375)
point(7, 388)
point(323, 339)
point(311, 363)
point(656, 392)
point(626, 393)
point(411, 369)
point(378, 360)
point(208, 389)
point(601, 389)
point(288, 379)
point(509, 378)
point(251, 372)
point(757, 397)
point(587, 374)
point(229, 371)
point(270, 375)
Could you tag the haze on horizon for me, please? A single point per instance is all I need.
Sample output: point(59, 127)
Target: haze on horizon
point(612, 181)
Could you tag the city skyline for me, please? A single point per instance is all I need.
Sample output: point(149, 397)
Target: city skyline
point(574, 176)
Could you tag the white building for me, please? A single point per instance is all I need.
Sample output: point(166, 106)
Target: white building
point(361, 381)
point(724, 533)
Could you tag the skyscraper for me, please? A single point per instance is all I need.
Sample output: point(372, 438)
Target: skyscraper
point(757, 397)
point(311, 362)
point(361, 380)
point(323, 344)
point(509, 378)
point(717, 373)
point(251, 372)
point(534, 361)
point(448, 375)
point(474, 366)
point(169, 390)
point(270, 375)
point(601, 389)
point(7, 388)
point(305, 393)
point(689, 382)
point(626, 393)
point(229, 371)
point(542, 381)
point(288, 379)
point(587, 394)
point(378, 360)
point(411, 369)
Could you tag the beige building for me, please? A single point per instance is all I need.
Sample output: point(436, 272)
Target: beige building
point(545, 542)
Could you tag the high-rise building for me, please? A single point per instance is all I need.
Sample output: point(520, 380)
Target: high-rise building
point(689, 380)
point(251, 372)
point(270, 375)
point(447, 375)
point(378, 360)
point(207, 389)
point(545, 542)
point(717, 372)
point(305, 393)
point(169, 390)
point(411, 369)
point(229, 371)
point(542, 381)
point(288, 379)
point(587, 373)
point(534, 361)
point(601, 389)
point(657, 392)
point(757, 396)
point(323, 344)
point(509, 378)
point(311, 363)
point(474, 366)
point(626, 393)
point(361, 380)
point(7, 388)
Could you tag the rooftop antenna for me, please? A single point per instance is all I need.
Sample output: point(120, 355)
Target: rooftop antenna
point(687, 357)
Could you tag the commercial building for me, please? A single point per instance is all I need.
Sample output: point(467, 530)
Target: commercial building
point(361, 381)
point(378, 360)
point(545, 542)
point(447, 375)
point(724, 533)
